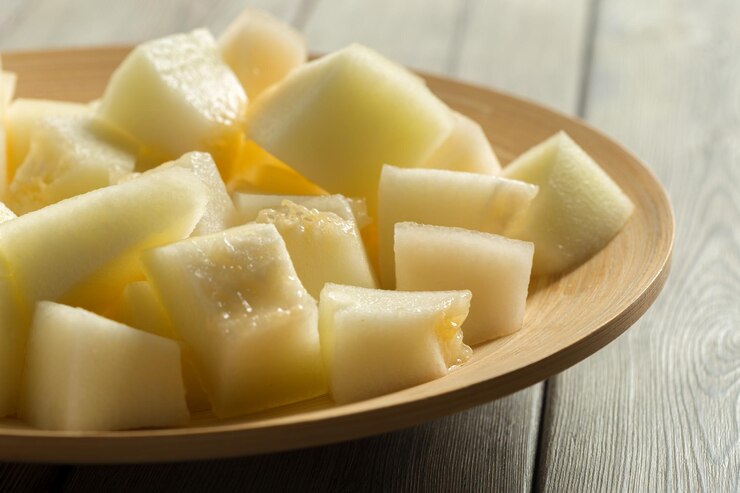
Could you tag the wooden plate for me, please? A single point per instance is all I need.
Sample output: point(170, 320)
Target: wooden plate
point(567, 319)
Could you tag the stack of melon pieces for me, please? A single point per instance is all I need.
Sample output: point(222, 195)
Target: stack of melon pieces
point(214, 233)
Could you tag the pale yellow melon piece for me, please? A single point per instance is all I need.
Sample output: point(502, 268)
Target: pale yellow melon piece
point(141, 308)
point(375, 342)
point(323, 246)
point(8, 81)
point(238, 305)
point(445, 198)
point(465, 149)
point(100, 231)
point(220, 213)
point(494, 268)
point(21, 119)
point(13, 325)
point(248, 205)
point(69, 155)
point(261, 49)
point(338, 119)
point(87, 373)
point(175, 95)
point(258, 171)
point(578, 210)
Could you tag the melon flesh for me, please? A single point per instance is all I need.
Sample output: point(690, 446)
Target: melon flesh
point(141, 308)
point(96, 237)
point(175, 95)
point(258, 171)
point(261, 50)
point(465, 149)
point(249, 205)
point(87, 373)
point(445, 198)
point(13, 325)
point(8, 81)
point(494, 268)
point(69, 155)
point(323, 246)
point(237, 303)
point(23, 116)
point(375, 342)
point(220, 213)
point(338, 119)
point(578, 210)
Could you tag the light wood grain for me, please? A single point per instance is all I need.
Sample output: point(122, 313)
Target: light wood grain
point(659, 410)
point(617, 285)
point(26, 24)
point(454, 455)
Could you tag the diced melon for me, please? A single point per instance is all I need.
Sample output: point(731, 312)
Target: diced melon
point(323, 246)
point(445, 198)
point(256, 170)
point(338, 119)
point(494, 268)
point(87, 373)
point(8, 81)
point(261, 50)
point(578, 210)
point(465, 149)
point(69, 155)
point(13, 325)
point(375, 342)
point(238, 305)
point(141, 308)
point(23, 117)
point(175, 95)
point(248, 205)
point(60, 251)
point(220, 213)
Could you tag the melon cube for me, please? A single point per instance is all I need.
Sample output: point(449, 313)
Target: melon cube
point(578, 210)
point(258, 171)
point(374, 342)
point(323, 246)
point(445, 198)
point(8, 81)
point(220, 213)
point(69, 155)
point(494, 268)
point(249, 205)
point(236, 301)
point(13, 325)
point(141, 308)
point(465, 149)
point(338, 119)
point(87, 373)
point(175, 95)
point(96, 237)
point(261, 50)
point(23, 116)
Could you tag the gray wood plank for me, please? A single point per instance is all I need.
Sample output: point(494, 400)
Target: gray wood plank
point(29, 24)
point(531, 48)
point(471, 451)
point(20, 478)
point(659, 409)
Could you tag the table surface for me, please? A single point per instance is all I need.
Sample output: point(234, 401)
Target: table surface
point(656, 410)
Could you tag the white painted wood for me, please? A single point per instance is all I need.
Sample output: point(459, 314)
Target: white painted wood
point(26, 24)
point(659, 409)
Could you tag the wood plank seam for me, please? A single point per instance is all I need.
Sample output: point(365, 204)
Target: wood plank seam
point(586, 69)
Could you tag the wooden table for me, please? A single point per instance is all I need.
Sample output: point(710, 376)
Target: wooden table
point(657, 410)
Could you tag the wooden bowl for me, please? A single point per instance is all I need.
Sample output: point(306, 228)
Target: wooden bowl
point(567, 319)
